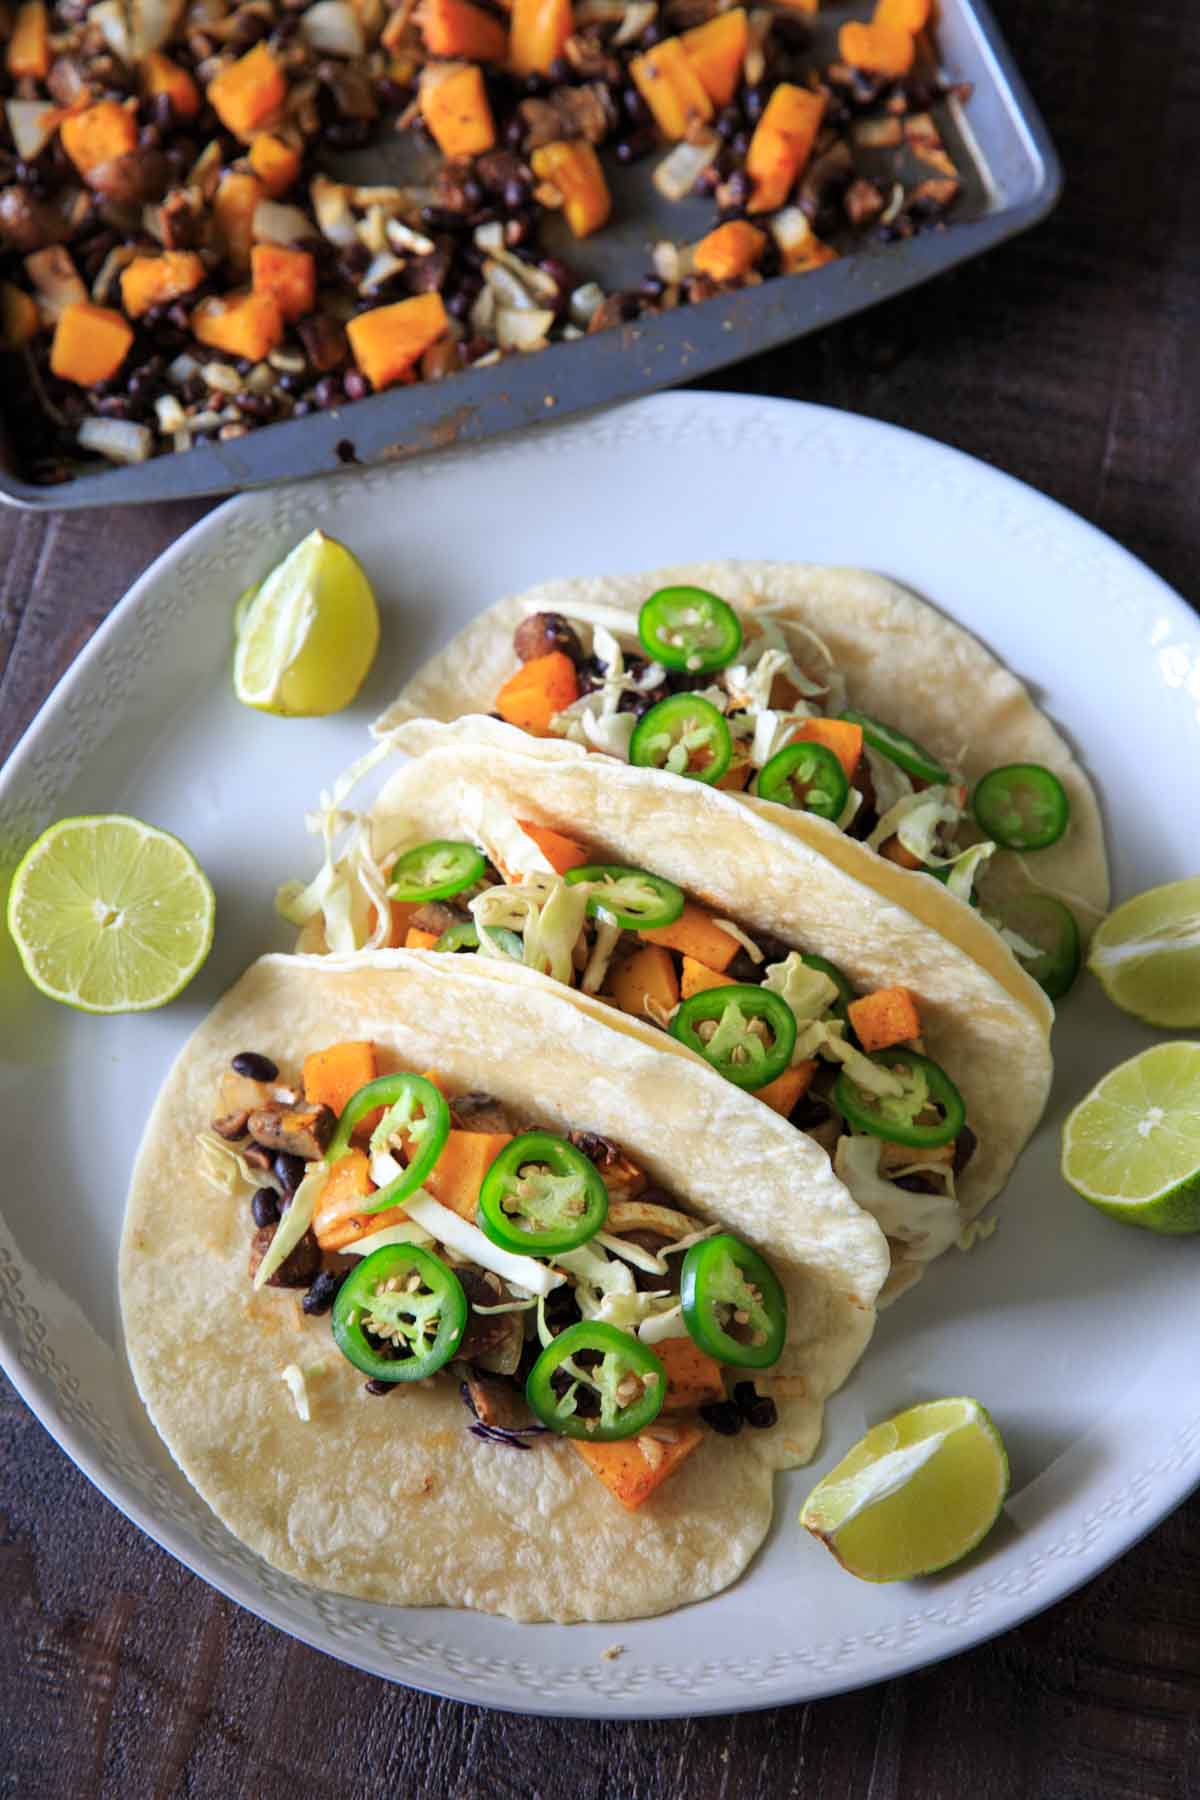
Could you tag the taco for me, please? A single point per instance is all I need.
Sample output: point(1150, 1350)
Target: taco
point(405, 1142)
point(886, 735)
point(915, 1071)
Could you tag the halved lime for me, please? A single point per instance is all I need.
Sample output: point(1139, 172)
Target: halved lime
point(1132, 1148)
point(110, 915)
point(915, 1494)
point(1146, 955)
point(307, 638)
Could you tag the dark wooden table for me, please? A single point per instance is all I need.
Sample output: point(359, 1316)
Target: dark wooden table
point(1070, 358)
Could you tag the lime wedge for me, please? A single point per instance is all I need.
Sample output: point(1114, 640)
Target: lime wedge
point(1132, 1148)
point(915, 1494)
point(309, 635)
point(110, 915)
point(1146, 955)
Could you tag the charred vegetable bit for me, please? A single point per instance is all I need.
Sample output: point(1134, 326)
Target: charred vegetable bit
point(401, 1315)
point(733, 1304)
point(541, 1196)
point(595, 1382)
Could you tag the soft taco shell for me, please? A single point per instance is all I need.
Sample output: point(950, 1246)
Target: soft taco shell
point(904, 662)
point(747, 868)
point(391, 1499)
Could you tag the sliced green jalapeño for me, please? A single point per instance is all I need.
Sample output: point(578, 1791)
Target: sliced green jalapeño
point(395, 1328)
point(637, 900)
point(1021, 806)
point(581, 1383)
point(684, 734)
point(929, 1112)
point(733, 1304)
point(808, 778)
point(435, 871)
point(465, 936)
point(414, 1109)
point(747, 1033)
point(689, 628)
point(1050, 930)
point(905, 752)
point(542, 1196)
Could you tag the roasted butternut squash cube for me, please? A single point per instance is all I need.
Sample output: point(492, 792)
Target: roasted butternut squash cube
point(455, 28)
point(240, 324)
point(90, 343)
point(389, 341)
point(572, 166)
point(693, 1377)
point(666, 79)
point(289, 275)
point(841, 736)
point(162, 76)
point(334, 1075)
point(632, 1473)
point(538, 31)
point(731, 251)
point(457, 1176)
point(645, 984)
point(454, 106)
point(696, 978)
point(717, 50)
point(888, 1016)
point(880, 48)
point(156, 280)
point(98, 134)
point(696, 933)
point(562, 853)
point(538, 690)
point(782, 144)
point(275, 163)
point(786, 1089)
point(29, 45)
point(247, 93)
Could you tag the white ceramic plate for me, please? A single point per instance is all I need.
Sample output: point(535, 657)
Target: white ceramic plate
point(1080, 1336)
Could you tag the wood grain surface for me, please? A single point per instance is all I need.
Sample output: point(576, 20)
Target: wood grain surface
point(1070, 358)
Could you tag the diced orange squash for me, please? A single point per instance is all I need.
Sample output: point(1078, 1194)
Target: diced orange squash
point(666, 79)
point(540, 688)
point(782, 144)
point(626, 1472)
point(400, 914)
point(154, 280)
point(562, 853)
point(841, 736)
point(240, 324)
point(896, 852)
point(888, 1016)
point(162, 76)
point(454, 106)
point(18, 317)
point(730, 251)
point(905, 15)
point(29, 45)
point(90, 343)
point(416, 939)
point(538, 30)
point(389, 340)
point(455, 28)
point(98, 134)
point(339, 1218)
point(879, 48)
point(716, 50)
point(696, 933)
point(696, 978)
point(290, 275)
point(333, 1075)
point(693, 1378)
point(782, 1093)
point(736, 778)
point(645, 984)
point(572, 166)
point(245, 94)
point(810, 7)
point(457, 1176)
point(233, 210)
point(276, 164)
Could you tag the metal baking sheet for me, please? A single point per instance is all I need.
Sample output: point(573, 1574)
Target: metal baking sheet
point(1011, 179)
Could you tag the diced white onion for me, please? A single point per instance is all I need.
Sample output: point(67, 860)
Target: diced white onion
point(293, 1377)
point(678, 172)
point(332, 27)
point(32, 123)
point(276, 224)
point(586, 302)
point(522, 330)
point(119, 439)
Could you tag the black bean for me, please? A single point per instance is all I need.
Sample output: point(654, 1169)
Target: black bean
point(516, 193)
point(440, 218)
point(256, 406)
point(265, 1207)
point(514, 132)
point(355, 385)
point(327, 393)
point(723, 1417)
point(560, 70)
point(757, 1409)
point(633, 148)
point(254, 1066)
point(652, 35)
point(536, 85)
point(754, 102)
point(459, 304)
point(727, 124)
point(653, 287)
point(323, 1292)
point(374, 1386)
point(636, 110)
point(288, 1172)
point(473, 192)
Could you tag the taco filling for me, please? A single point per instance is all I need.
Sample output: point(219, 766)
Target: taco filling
point(754, 703)
point(773, 1018)
point(438, 1237)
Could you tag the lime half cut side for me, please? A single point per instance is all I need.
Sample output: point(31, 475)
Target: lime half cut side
point(1132, 1147)
point(914, 1495)
point(307, 637)
point(110, 915)
point(1146, 955)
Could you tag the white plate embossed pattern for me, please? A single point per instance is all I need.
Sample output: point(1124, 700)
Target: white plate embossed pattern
point(1078, 1335)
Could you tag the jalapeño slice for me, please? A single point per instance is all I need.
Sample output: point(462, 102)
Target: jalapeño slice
point(465, 936)
point(1022, 806)
point(748, 1058)
point(637, 900)
point(905, 752)
point(1050, 929)
point(542, 1196)
point(807, 777)
point(689, 628)
point(574, 1385)
point(733, 1304)
point(415, 1108)
point(435, 871)
point(901, 1118)
point(392, 1327)
point(684, 734)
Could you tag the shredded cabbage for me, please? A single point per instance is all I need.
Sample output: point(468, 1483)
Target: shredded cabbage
point(809, 992)
point(216, 1155)
point(293, 1376)
point(915, 820)
point(608, 936)
point(545, 910)
point(748, 944)
point(408, 1232)
point(889, 780)
point(521, 1272)
point(964, 869)
point(926, 1223)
